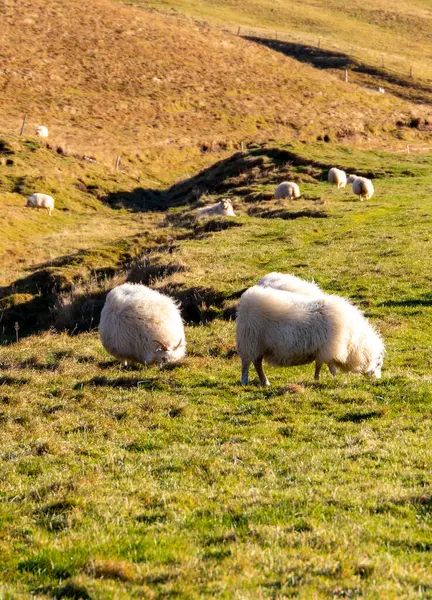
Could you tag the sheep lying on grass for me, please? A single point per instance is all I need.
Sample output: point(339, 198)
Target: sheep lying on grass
point(290, 283)
point(41, 201)
point(290, 329)
point(142, 325)
point(363, 188)
point(42, 131)
point(337, 177)
point(287, 189)
point(224, 207)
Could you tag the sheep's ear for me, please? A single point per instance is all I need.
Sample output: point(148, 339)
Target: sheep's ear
point(163, 347)
point(179, 344)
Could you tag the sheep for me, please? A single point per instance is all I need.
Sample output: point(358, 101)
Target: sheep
point(363, 188)
point(290, 283)
point(287, 189)
point(224, 207)
point(290, 329)
point(42, 131)
point(142, 325)
point(337, 177)
point(41, 201)
point(351, 178)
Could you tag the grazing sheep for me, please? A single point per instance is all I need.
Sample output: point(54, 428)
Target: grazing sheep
point(287, 189)
point(42, 131)
point(290, 283)
point(363, 188)
point(41, 201)
point(351, 178)
point(290, 329)
point(337, 177)
point(224, 207)
point(142, 325)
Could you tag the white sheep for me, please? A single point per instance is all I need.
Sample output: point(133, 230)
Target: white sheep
point(290, 283)
point(42, 131)
point(224, 207)
point(142, 325)
point(291, 329)
point(287, 189)
point(363, 188)
point(351, 178)
point(337, 177)
point(41, 201)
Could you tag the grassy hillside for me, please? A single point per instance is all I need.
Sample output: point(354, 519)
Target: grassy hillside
point(168, 93)
point(400, 33)
point(147, 483)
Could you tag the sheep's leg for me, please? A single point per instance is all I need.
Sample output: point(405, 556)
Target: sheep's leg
point(332, 369)
point(318, 366)
point(258, 364)
point(245, 372)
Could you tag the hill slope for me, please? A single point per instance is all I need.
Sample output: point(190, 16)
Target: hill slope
point(116, 78)
point(400, 33)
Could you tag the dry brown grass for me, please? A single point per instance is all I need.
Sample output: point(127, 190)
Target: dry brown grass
point(168, 91)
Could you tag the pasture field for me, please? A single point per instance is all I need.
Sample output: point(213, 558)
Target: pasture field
point(137, 482)
point(398, 34)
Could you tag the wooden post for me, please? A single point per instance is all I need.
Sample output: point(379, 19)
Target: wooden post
point(346, 75)
point(242, 147)
point(23, 124)
point(276, 35)
point(407, 149)
point(16, 331)
point(117, 162)
point(319, 43)
point(410, 71)
point(238, 30)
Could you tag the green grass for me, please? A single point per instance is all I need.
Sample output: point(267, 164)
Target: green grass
point(179, 483)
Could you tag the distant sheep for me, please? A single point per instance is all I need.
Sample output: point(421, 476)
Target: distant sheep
point(337, 177)
point(290, 329)
point(290, 283)
point(363, 188)
point(351, 178)
point(287, 189)
point(224, 207)
point(41, 201)
point(142, 325)
point(42, 131)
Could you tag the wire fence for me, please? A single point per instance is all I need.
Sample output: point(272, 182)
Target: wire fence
point(374, 58)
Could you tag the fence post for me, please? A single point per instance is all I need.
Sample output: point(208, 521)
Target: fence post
point(117, 162)
point(23, 124)
point(238, 30)
point(407, 149)
point(276, 35)
point(242, 147)
point(346, 75)
point(319, 43)
point(411, 72)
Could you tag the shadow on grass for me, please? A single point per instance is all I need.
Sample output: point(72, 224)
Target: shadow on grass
point(121, 382)
point(359, 417)
point(405, 87)
point(425, 301)
point(288, 215)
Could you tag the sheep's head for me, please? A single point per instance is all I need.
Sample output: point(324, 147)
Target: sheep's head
point(376, 366)
point(166, 354)
point(228, 209)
